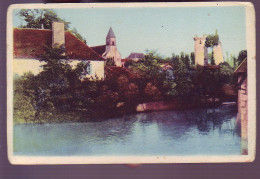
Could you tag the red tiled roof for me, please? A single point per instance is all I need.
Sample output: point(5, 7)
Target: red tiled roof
point(125, 60)
point(99, 49)
point(31, 43)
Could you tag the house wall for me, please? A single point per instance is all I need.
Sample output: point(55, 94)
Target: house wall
point(97, 68)
point(20, 66)
point(243, 112)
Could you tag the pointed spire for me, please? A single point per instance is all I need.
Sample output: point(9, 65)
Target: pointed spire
point(111, 34)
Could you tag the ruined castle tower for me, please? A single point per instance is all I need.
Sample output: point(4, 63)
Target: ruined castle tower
point(217, 51)
point(201, 52)
point(111, 49)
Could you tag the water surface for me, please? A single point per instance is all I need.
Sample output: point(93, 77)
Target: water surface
point(191, 132)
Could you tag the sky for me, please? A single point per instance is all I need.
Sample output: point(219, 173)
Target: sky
point(167, 30)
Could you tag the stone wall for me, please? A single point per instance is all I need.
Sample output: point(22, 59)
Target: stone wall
point(218, 55)
point(201, 52)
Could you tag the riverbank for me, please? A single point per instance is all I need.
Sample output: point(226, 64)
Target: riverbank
point(85, 116)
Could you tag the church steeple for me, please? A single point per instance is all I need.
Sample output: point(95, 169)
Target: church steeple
point(110, 34)
point(111, 38)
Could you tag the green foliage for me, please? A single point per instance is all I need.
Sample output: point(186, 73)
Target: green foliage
point(192, 58)
point(43, 18)
point(227, 75)
point(149, 67)
point(38, 18)
point(78, 35)
point(183, 85)
point(24, 99)
point(211, 41)
point(241, 56)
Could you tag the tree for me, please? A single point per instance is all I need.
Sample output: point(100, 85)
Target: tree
point(24, 99)
point(40, 18)
point(75, 32)
point(43, 18)
point(211, 41)
point(192, 58)
point(241, 56)
point(226, 73)
point(183, 83)
point(58, 79)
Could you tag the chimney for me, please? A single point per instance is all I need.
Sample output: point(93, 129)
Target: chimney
point(58, 33)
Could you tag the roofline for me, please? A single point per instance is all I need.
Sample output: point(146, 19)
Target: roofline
point(97, 46)
point(102, 59)
point(31, 29)
point(240, 65)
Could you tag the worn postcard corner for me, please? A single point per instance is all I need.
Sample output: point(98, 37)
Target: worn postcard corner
point(131, 83)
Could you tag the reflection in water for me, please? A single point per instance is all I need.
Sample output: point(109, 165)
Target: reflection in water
point(190, 132)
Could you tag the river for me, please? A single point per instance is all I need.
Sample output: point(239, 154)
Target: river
point(210, 131)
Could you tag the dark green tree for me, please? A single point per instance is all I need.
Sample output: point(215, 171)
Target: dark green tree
point(183, 84)
point(40, 18)
point(43, 18)
point(211, 41)
point(192, 58)
point(241, 56)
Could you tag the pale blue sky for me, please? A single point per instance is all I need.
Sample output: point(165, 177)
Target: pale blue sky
point(168, 30)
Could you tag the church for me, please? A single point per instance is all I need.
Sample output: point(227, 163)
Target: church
point(109, 50)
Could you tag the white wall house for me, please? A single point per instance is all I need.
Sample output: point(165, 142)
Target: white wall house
point(29, 44)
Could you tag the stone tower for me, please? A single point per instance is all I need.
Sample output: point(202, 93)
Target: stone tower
point(218, 56)
point(201, 52)
point(111, 49)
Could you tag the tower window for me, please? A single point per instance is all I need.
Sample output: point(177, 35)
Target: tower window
point(200, 41)
point(113, 43)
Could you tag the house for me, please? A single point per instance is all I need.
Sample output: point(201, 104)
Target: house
point(242, 117)
point(135, 56)
point(169, 71)
point(110, 49)
point(29, 44)
point(123, 62)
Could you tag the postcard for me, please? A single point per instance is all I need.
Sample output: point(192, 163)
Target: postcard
point(110, 83)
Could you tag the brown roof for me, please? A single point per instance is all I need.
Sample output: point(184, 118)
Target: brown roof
point(125, 60)
point(99, 49)
point(31, 43)
point(136, 55)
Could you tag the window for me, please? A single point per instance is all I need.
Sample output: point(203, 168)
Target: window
point(89, 69)
point(200, 41)
point(113, 43)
